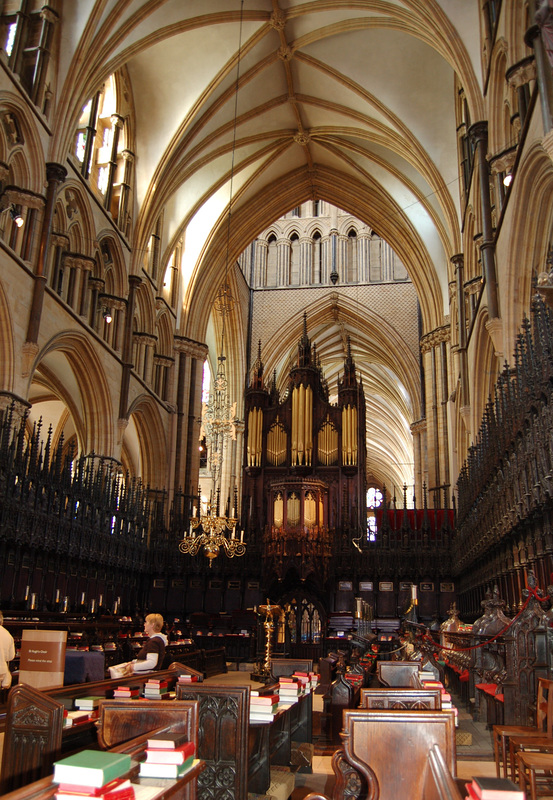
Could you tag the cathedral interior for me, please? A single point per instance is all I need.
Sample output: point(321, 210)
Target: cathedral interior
point(275, 286)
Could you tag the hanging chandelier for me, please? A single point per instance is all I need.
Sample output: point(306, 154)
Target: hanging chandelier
point(211, 531)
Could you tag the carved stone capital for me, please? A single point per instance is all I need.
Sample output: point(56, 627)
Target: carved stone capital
point(48, 14)
point(434, 338)
point(30, 352)
point(495, 329)
point(22, 197)
point(191, 348)
point(145, 338)
point(547, 144)
point(79, 261)
point(522, 73)
point(55, 172)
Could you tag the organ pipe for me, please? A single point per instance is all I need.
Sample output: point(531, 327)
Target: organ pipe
point(255, 433)
point(302, 425)
point(349, 435)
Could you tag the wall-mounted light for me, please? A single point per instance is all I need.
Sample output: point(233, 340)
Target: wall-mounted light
point(106, 313)
point(507, 179)
point(16, 216)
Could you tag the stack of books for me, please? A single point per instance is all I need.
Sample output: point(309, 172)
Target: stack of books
point(447, 703)
point(156, 689)
point(130, 692)
point(89, 704)
point(168, 755)
point(304, 680)
point(263, 707)
point(493, 789)
point(289, 690)
point(187, 678)
point(75, 717)
point(94, 774)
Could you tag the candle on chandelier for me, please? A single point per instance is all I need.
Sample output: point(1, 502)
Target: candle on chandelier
point(233, 534)
point(241, 536)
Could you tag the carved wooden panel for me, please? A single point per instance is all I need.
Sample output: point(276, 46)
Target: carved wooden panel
point(32, 739)
point(223, 720)
point(429, 699)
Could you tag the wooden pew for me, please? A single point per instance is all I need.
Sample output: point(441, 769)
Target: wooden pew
point(223, 715)
point(430, 699)
point(238, 754)
point(399, 673)
point(182, 789)
point(34, 736)
point(365, 768)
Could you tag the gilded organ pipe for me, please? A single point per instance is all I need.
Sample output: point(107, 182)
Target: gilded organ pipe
point(302, 425)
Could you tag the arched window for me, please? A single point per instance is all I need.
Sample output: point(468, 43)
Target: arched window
point(24, 28)
point(317, 265)
point(351, 272)
point(272, 261)
point(294, 260)
point(374, 501)
point(100, 148)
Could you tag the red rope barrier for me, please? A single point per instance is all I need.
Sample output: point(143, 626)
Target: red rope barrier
point(531, 593)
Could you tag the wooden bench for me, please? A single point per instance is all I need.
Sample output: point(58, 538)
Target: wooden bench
point(393, 754)
point(429, 699)
point(399, 673)
point(34, 732)
point(182, 789)
point(238, 754)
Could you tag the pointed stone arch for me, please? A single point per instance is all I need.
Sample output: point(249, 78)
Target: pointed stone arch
point(151, 441)
point(70, 366)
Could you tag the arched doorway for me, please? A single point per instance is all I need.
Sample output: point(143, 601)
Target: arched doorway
point(302, 627)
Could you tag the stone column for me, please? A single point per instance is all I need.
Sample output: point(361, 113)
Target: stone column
point(190, 362)
point(134, 283)
point(116, 125)
point(55, 174)
point(418, 429)
point(305, 261)
point(479, 138)
point(363, 256)
point(49, 19)
point(458, 262)
point(283, 262)
point(123, 217)
point(261, 251)
point(433, 348)
point(533, 39)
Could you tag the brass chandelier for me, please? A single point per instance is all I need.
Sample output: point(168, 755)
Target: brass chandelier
point(211, 531)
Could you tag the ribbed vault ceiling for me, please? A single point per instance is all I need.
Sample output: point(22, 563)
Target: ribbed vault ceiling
point(350, 101)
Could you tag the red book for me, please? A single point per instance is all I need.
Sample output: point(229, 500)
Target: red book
point(177, 756)
point(167, 741)
point(495, 789)
point(264, 699)
point(110, 791)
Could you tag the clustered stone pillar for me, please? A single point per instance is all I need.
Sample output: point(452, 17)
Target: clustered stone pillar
point(435, 359)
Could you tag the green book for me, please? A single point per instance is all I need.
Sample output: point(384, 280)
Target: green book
point(152, 770)
point(92, 768)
